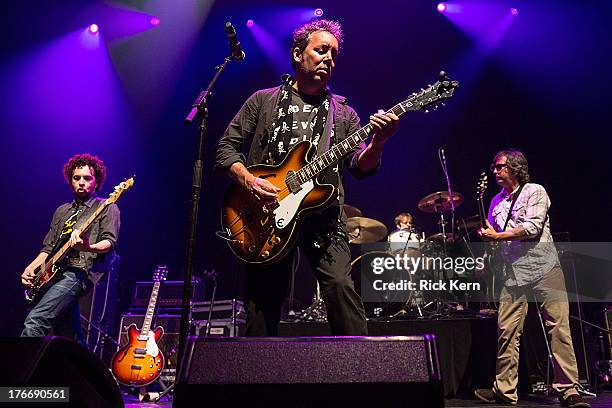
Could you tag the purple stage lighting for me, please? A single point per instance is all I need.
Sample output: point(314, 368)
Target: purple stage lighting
point(93, 29)
point(514, 11)
point(250, 23)
point(155, 21)
point(318, 12)
point(441, 7)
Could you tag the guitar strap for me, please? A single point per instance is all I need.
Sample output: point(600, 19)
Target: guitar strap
point(516, 196)
point(518, 193)
point(282, 127)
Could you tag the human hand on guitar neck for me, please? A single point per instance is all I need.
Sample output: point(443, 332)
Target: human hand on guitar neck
point(385, 125)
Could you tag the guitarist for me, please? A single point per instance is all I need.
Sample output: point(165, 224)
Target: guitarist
point(273, 121)
point(58, 308)
point(518, 220)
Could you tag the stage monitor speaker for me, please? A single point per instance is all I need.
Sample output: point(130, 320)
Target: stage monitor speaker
point(399, 371)
point(58, 362)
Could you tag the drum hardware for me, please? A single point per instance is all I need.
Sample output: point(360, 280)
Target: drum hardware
point(362, 230)
point(439, 203)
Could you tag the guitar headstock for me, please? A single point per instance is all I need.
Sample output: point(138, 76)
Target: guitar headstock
point(160, 273)
point(433, 95)
point(482, 184)
point(120, 189)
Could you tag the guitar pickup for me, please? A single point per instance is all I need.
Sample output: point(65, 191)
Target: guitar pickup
point(136, 367)
point(140, 351)
point(293, 182)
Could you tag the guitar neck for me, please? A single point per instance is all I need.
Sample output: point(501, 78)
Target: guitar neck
point(146, 326)
point(82, 228)
point(340, 150)
point(481, 212)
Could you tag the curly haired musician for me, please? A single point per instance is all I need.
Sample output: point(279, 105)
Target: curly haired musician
point(58, 309)
point(273, 121)
point(532, 272)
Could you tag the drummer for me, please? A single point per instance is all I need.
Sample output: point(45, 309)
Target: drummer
point(405, 238)
point(403, 221)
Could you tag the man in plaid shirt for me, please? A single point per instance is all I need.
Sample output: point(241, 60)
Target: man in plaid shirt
point(518, 220)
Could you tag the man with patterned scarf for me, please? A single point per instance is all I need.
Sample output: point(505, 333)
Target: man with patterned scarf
point(274, 121)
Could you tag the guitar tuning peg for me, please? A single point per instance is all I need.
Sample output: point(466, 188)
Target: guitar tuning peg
point(442, 103)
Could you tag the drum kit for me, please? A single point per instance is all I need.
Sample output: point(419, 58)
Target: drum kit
point(413, 242)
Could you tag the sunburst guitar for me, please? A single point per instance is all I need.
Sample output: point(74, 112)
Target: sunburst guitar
point(140, 361)
point(261, 234)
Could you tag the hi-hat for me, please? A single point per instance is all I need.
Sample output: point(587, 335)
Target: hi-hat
point(364, 230)
point(469, 222)
point(351, 211)
point(439, 202)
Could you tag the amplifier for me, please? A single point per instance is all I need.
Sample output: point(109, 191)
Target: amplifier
point(222, 310)
point(220, 328)
point(170, 293)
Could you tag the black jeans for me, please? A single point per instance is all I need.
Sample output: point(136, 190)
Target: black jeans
point(324, 241)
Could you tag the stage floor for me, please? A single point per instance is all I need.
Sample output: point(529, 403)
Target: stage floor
point(603, 400)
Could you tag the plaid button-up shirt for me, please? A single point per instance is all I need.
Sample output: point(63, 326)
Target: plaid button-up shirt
point(529, 259)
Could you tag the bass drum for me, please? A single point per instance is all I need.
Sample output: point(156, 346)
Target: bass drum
point(406, 241)
point(386, 303)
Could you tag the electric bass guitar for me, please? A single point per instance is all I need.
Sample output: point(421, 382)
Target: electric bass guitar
point(140, 361)
point(261, 234)
point(45, 272)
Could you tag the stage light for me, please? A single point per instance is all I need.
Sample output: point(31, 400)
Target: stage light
point(514, 11)
point(155, 21)
point(93, 29)
point(318, 12)
point(441, 7)
point(250, 23)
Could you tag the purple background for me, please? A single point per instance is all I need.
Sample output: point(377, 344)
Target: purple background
point(538, 82)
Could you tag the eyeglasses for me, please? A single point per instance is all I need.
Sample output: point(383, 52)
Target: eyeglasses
point(498, 167)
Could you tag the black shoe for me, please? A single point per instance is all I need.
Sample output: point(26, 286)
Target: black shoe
point(574, 401)
point(490, 396)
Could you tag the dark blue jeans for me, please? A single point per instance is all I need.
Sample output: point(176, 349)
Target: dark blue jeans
point(58, 308)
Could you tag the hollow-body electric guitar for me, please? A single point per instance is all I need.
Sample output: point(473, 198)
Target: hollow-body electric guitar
point(45, 272)
point(140, 361)
point(262, 234)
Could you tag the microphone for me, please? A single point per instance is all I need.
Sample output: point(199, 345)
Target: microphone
point(235, 51)
point(443, 156)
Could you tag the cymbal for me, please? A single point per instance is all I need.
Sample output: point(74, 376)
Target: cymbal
point(351, 211)
point(364, 230)
point(439, 202)
point(439, 237)
point(469, 222)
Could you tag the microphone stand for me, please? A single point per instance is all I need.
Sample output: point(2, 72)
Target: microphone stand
point(199, 108)
point(452, 205)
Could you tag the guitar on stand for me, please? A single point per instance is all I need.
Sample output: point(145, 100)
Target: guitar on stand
point(140, 362)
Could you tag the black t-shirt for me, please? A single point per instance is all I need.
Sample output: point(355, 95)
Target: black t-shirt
point(304, 109)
